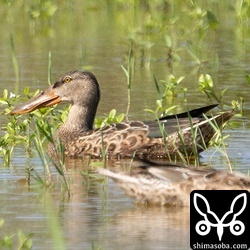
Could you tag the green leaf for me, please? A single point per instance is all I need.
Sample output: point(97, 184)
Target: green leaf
point(3, 101)
point(125, 71)
point(169, 109)
point(112, 114)
point(247, 78)
point(224, 91)
point(26, 90)
point(120, 117)
point(159, 104)
point(168, 41)
point(157, 86)
point(180, 79)
point(5, 94)
point(212, 19)
point(1, 222)
point(149, 111)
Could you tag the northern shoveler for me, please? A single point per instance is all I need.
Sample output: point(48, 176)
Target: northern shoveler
point(171, 184)
point(179, 133)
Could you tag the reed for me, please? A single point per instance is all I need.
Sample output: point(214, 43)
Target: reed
point(185, 30)
point(44, 131)
point(129, 72)
point(49, 68)
point(14, 62)
point(147, 27)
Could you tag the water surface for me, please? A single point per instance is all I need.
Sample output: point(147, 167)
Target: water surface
point(91, 36)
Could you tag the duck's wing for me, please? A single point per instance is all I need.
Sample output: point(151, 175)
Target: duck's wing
point(167, 127)
point(210, 178)
point(128, 138)
point(118, 140)
point(205, 124)
point(190, 113)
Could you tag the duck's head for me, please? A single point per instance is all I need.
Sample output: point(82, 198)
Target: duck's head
point(80, 88)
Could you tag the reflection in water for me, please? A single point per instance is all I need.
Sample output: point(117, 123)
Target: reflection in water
point(97, 212)
point(148, 227)
point(105, 216)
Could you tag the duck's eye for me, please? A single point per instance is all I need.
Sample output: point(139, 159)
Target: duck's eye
point(67, 79)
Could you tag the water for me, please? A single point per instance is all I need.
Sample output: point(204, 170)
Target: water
point(91, 36)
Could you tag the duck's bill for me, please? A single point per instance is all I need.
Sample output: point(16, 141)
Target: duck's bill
point(44, 99)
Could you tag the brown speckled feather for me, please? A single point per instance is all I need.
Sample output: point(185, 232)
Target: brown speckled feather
point(183, 133)
point(171, 185)
point(133, 138)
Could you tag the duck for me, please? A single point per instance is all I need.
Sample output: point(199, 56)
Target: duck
point(170, 184)
point(188, 132)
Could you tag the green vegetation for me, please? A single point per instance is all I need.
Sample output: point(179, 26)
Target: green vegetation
point(45, 121)
point(159, 32)
point(146, 23)
point(24, 241)
point(37, 128)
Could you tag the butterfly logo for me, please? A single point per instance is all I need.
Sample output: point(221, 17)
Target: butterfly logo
point(203, 227)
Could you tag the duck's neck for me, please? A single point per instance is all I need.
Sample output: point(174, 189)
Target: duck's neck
point(80, 119)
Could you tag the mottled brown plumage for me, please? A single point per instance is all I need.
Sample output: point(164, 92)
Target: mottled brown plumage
point(171, 184)
point(183, 133)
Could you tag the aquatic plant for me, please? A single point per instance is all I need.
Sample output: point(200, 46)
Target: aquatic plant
point(24, 240)
point(51, 120)
point(109, 118)
point(206, 86)
point(148, 20)
point(14, 129)
point(129, 73)
point(161, 32)
point(14, 61)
